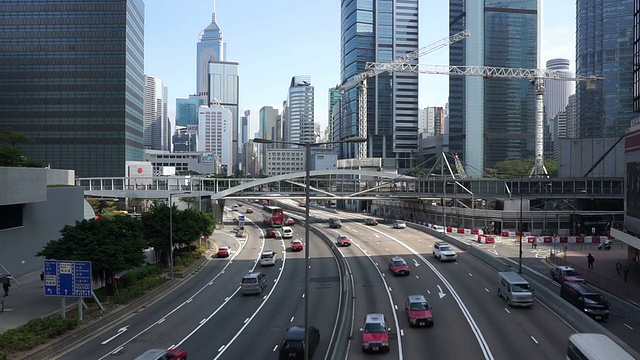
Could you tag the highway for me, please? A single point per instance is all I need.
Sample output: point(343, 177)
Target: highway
point(209, 318)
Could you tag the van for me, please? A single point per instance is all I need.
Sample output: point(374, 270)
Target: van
point(293, 344)
point(585, 298)
point(287, 232)
point(335, 223)
point(268, 257)
point(514, 289)
point(253, 283)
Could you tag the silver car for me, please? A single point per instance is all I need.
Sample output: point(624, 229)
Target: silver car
point(399, 224)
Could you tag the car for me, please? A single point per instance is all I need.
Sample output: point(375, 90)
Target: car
point(268, 258)
point(162, 354)
point(249, 211)
point(418, 311)
point(240, 204)
point(375, 334)
point(443, 252)
point(297, 245)
point(289, 222)
point(234, 208)
point(292, 345)
point(270, 233)
point(565, 273)
point(223, 251)
point(398, 266)
point(264, 202)
point(371, 221)
point(343, 240)
point(335, 223)
point(399, 224)
point(302, 204)
point(287, 232)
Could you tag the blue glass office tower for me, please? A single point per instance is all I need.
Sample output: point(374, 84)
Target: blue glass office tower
point(211, 47)
point(491, 120)
point(380, 31)
point(187, 110)
point(71, 78)
point(604, 46)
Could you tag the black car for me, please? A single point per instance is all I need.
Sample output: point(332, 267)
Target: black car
point(335, 223)
point(586, 299)
point(292, 345)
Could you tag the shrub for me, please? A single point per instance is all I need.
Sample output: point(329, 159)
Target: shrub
point(137, 289)
point(34, 333)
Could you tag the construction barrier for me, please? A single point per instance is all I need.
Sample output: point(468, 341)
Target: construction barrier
point(489, 240)
point(460, 230)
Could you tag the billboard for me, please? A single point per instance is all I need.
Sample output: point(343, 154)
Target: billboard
point(192, 129)
point(207, 158)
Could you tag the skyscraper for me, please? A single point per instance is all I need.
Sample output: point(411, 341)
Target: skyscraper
point(300, 110)
point(214, 135)
point(492, 120)
point(380, 33)
point(268, 118)
point(155, 121)
point(556, 95)
point(604, 47)
point(211, 47)
point(224, 89)
point(187, 110)
point(71, 78)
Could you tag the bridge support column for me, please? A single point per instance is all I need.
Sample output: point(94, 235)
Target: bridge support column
point(218, 211)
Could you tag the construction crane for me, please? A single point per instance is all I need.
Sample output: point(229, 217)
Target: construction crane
point(360, 81)
point(536, 76)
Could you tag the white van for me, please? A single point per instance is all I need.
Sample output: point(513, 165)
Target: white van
point(287, 232)
point(268, 257)
point(514, 289)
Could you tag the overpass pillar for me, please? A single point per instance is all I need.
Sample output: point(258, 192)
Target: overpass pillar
point(218, 211)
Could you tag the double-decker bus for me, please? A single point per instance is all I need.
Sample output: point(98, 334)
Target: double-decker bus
point(273, 216)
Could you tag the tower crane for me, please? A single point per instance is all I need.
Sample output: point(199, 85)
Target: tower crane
point(536, 77)
point(360, 81)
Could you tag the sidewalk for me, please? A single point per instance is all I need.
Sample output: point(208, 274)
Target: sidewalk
point(26, 301)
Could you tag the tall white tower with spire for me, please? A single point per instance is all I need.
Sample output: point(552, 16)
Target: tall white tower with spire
point(211, 47)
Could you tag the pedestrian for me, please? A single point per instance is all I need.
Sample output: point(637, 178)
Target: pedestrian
point(6, 286)
point(535, 243)
point(42, 277)
point(625, 273)
point(619, 268)
point(590, 260)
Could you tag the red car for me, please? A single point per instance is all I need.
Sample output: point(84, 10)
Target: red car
point(371, 221)
point(344, 240)
point(565, 273)
point(270, 233)
point(162, 354)
point(375, 334)
point(249, 211)
point(289, 222)
point(297, 245)
point(418, 311)
point(223, 252)
point(398, 266)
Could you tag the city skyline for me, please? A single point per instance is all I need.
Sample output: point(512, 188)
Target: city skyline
point(266, 65)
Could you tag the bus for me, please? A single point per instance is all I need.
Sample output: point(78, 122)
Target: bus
point(595, 347)
point(273, 216)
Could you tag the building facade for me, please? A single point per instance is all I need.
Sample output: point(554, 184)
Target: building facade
point(380, 33)
point(224, 89)
point(492, 121)
point(76, 87)
point(556, 94)
point(636, 56)
point(185, 139)
point(185, 162)
point(156, 127)
point(187, 110)
point(214, 135)
point(284, 161)
point(300, 110)
point(210, 48)
point(604, 47)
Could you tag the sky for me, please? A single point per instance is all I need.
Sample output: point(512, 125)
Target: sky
point(278, 39)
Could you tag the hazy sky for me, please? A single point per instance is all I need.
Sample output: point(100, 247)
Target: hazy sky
point(277, 39)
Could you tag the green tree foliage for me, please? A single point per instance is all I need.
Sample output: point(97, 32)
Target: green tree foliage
point(511, 169)
point(10, 153)
point(103, 207)
point(112, 245)
point(188, 226)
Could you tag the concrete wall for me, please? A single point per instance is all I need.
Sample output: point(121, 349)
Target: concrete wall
point(61, 177)
point(576, 156)
point(42, 223)
point(22, 185)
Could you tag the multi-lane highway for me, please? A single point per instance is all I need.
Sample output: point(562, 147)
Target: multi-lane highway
point(210, 319)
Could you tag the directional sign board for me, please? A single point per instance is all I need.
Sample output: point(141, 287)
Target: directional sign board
point(241, 218)
point(67, 278)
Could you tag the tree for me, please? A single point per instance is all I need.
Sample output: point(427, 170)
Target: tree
point(511, 169)
point(103, 207)
point(188, 226)
point(112, 245)
point(10, 153)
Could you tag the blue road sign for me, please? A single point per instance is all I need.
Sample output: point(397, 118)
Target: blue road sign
point(67, 278)
point(240, 218)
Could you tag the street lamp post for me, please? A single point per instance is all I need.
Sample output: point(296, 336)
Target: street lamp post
point(307, 228)
point(171, 230)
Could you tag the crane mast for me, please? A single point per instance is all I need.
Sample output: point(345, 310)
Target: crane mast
point(360, 81)
point(536, 76)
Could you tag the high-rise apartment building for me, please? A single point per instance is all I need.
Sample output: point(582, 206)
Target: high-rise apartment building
point(431, 121)
point(492, 121)
point(210, 47)
point(604, 47)
point(571, 118)
point(214, 135)
point(71, 79)
point(156, 127)
point(380, 33)
point(300, 110)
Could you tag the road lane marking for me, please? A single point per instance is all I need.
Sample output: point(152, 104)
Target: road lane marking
point(293, 317)
point(161, 320)
point(485, 289)
point(120, 332)
point(630, 328)
point(275, 348)
point(395, 306)
point(507, 310)
point(440, 293)
point(470, 274)
point(221, 347)
point(428, 292)
point(401, 332)
point(534, 340)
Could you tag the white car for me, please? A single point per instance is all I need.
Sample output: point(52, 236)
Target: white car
point(268, 257)
point(399, 224)
point(444, 252)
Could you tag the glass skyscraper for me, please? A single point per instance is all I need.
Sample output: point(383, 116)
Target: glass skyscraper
point(187, 110)
point(604, 47)
point(380, 33)
point(300, 110)
point(71, 78)
point(491, 120)
point(211, 47)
